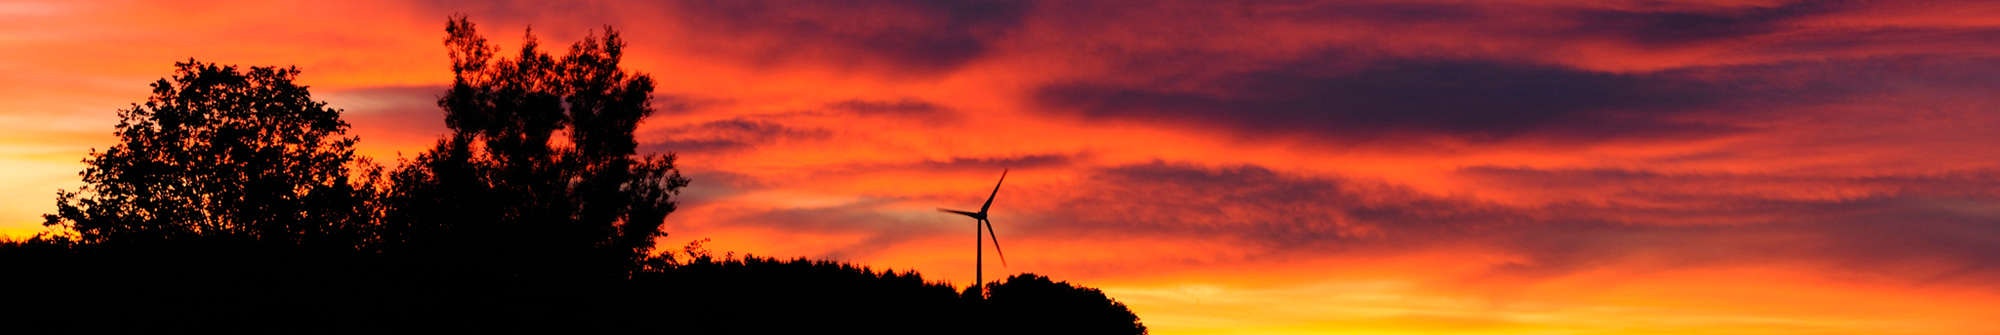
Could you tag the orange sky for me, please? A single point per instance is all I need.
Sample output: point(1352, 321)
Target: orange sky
point(1356, 167)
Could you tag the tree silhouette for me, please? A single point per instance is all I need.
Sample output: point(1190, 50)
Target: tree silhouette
point(1031, 304)
point(541, 167)
point(222, 154)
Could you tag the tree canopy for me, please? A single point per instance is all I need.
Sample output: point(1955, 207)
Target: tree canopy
point(541, 165)
point(221, 153)
point(1042, 306)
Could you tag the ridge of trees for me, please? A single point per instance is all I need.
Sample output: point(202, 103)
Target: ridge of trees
point(237, 286)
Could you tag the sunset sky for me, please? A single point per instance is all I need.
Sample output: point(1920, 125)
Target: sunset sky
point(1354, 167)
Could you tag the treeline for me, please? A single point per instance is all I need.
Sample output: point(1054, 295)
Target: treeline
point(242, 287)
point(233, 203)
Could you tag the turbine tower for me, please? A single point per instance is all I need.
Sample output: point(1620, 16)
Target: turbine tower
point(979, 219)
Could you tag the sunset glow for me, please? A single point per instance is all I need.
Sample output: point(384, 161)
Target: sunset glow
point(1338, 167)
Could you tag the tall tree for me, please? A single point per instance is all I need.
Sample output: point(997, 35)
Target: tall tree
point(541, 166)
point(221, 153)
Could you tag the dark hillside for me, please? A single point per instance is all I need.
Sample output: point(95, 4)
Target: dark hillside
point(245, 287)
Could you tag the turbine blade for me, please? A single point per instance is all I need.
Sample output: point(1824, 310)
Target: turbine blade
point(996, 243)
point(996, 192)
point(959, 212)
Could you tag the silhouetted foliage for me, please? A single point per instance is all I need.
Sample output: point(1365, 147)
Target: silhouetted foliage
point(221, 153)
point(228, 207)
point(234, 286)
point(541, 168)
point(1031, 304)
point(770, 296)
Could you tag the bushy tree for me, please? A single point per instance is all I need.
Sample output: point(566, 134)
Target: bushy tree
point(1031, 304)
point(541, 168)
point(224, 154)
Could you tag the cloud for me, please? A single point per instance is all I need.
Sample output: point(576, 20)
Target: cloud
point(1466, 99)
point(867, 224)
point(975, 164)
point(1387, 13)
point(1882, 42)
point(1260, 208)
point(1018, 162)
point(715, 185)
point(906, 108)
point(677, 104)
point(391, 119)
point(1911, 228)
point(727, 135)
point(1911, 234)
point(1358, 96)
point(1672, 27)
point(1908, 239)
point(1610, 182)
point(908, 37)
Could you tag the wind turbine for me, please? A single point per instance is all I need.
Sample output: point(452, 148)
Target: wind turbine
point(979, 258)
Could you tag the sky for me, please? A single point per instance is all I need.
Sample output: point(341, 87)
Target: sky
point(1354, 167)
